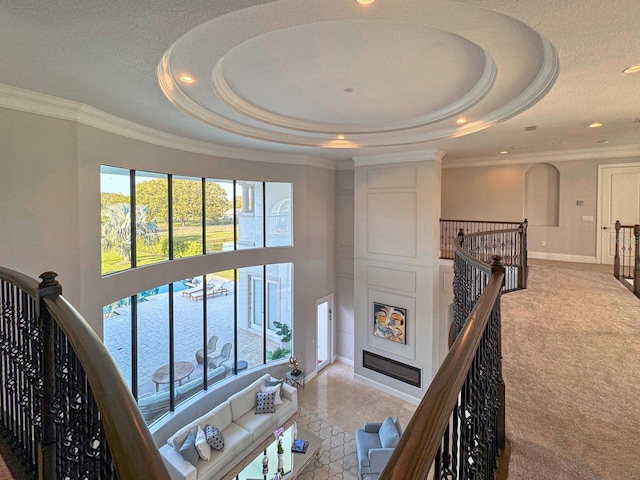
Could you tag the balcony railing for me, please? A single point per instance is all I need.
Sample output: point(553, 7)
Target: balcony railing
point(458, 430)
point(65, 407)
point(626, 266)
point(505, 239)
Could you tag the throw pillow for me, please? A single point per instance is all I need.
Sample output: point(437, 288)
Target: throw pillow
point(276, 388)
point(204, 449)
point(188, 449)
point(388, 433)
point(265, 402)
point(272, 382)
point(214, 437)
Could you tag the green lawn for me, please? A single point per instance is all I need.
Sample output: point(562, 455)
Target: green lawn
point(217, 235)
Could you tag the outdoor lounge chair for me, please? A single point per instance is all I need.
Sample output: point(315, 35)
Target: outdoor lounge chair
point(224, 355)
point(213, 287)
point(195, 290)
point(211, 347)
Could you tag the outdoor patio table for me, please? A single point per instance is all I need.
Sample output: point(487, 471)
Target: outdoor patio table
point(181, 370)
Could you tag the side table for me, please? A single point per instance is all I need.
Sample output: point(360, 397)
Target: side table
point(296, 380)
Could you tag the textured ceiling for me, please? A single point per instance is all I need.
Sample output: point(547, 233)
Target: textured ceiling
point(296, 76)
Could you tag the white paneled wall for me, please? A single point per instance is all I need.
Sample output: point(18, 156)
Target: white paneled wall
point(396, 249)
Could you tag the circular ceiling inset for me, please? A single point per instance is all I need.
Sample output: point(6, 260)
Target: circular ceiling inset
point(282, 78)
point(287, 75)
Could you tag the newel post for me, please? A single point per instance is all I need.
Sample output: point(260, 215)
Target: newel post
point(636, 268)
point(522, 270)
point(497, 267)
point(47, 447)
point(616, 258)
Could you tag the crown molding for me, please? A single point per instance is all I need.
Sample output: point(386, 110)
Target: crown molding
point(321, 163)
point(15, 98)
point(596, 153)
point(434, 154)
point(344, 165)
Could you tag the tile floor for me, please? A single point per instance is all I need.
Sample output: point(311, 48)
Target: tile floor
point(333, 395)
point(332, 406)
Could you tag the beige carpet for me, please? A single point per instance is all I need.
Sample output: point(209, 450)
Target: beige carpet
point(5, 474)
point(571, 347)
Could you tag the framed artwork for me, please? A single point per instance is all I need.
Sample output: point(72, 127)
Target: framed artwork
point(389, 322)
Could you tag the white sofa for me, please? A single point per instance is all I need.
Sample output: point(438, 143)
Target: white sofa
point(242, 428)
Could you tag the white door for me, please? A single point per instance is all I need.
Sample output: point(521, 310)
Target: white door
point(323, 319)
point(618, 199)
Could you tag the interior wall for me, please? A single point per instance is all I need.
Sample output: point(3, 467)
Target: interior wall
point(497, 193)
point(344, 320)
point(39, 198)
point(396, 249)
point(50, 212)
point(542, 195)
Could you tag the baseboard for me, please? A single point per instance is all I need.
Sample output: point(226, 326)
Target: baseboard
point(345, 360)
point(561, 257)
point(385, 388)
point(310, 376)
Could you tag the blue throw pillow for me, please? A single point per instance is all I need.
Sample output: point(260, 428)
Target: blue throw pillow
point(188, 449)
point(272, 383)
point(389, 436)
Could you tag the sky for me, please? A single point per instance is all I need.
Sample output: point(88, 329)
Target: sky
point(116, 180)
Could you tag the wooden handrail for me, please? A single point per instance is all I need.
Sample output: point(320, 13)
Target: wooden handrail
point(416, 451)
point(40, 306)
point(134, 451)
point(480, 221)
point(20, 280)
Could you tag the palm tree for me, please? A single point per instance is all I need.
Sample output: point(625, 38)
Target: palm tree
point(116, 228)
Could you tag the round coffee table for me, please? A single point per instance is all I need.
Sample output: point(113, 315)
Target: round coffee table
point(181, 370)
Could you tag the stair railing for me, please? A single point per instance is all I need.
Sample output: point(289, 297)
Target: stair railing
point(458, 429)
point(506, 239)
point(64, 405)
point(626, 264)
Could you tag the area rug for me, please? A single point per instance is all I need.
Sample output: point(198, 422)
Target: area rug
point(571, 345)
point(337, 459)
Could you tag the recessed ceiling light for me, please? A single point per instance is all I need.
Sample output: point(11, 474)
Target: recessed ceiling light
point(595, 125)
point(531, 128)
point(504, 152)
point(348, 90)
point(632, 69)
point(461, 121)
point(365, 2)
point(602, 141)
point(186, 79)
point(340, 137)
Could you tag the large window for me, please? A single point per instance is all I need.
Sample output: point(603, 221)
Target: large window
point(279, 214)
point(173, 341)
point(152, 218)
point(186, 202)
point(177, 217)
point(219, 195)
point(250, 215)
point(115, 219)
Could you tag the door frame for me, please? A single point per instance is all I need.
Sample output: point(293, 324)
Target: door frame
point(329, 300)
point(600, 213)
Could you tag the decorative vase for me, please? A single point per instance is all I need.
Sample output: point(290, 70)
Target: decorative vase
point(265, 462)
point(280, 462)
